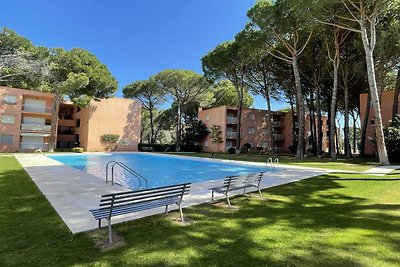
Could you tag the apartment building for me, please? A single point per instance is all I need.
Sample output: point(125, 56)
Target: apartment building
point(253, 130)
point(25, 122)
point(387, 99)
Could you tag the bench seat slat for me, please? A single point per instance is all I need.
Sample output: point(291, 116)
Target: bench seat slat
point(145, 191)
point(134, 201)
point(121, 210)
point(142, 196)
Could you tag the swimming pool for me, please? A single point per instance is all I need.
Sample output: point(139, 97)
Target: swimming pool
point(159, 170)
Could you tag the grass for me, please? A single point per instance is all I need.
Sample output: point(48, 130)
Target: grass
point(331, 220)
point(354, 164)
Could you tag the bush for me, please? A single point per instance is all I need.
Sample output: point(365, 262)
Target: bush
point(109, 138)
point(259, 148)
point(77, 149)
point(392, 139)
point(231, 150)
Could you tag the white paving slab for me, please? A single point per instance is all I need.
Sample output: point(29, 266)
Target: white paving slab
point(381, 170)
point(72, 192)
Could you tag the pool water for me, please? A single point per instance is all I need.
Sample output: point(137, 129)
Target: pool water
point(159, 170)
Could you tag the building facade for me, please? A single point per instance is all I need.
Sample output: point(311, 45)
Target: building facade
point(25, 122)
point(253, 129)
point(387, 99)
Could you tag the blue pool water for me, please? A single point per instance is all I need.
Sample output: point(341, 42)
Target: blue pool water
point(159, 170)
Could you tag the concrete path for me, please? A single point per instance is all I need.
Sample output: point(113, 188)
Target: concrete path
point(72, 192)
point(381, 170)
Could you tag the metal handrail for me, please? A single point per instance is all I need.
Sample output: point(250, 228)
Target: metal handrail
point(126, 168)
point(274, 163)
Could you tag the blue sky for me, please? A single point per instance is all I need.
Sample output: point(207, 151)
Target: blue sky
point(136, 38)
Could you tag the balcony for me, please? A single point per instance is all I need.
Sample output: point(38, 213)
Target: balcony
point(231, 120)
point(31, 146)
point(35, 127)
point(278, 124)
point(36, 109)
point(231, 135)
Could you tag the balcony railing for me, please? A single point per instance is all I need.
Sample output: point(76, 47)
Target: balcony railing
point(231, 120)
point(278, 124)
point(231, 135)
point(30, 146)
point(35, 127)
point(36, 109)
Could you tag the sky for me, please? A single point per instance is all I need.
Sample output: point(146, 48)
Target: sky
point(135, 39)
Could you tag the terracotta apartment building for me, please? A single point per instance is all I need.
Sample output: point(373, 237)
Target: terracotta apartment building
point(25, 122)
point(254, 128)
point(387, 99)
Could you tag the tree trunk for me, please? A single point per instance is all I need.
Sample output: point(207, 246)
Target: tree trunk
point(239, 125)
point(269, 121)
point(293, 122)
point(354, 133)
point(178, 129)
point(54, 122)
point(152, 136)
point(313, 127)
point(380, 140)
point(364, 126)
point(347, 149)
point(300, 107)
point(319, 121)
point(332, 118)
point(395, 109)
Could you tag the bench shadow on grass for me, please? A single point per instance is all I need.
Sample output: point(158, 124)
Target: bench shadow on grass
point(281, 229)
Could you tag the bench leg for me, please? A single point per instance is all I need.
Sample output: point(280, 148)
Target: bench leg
point(99, 223)
point(181, 213)
point(109, 231)
point(244, 191)
point(259, 191)
point(212, 195)
point(166, 210)
point(227, 199)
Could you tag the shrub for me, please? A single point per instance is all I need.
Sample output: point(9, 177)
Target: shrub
point(231, 150)
point(392, 139)
point(77, 149)
point(247, 146)
point(259, 148)
point(109, 138)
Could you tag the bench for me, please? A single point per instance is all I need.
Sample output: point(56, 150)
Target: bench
point(232, 183)
point(122, 203)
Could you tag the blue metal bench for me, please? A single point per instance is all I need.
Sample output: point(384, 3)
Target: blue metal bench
point(232, 183)
point(122, 203)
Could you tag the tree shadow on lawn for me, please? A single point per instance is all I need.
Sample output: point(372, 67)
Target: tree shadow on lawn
point(293, 225)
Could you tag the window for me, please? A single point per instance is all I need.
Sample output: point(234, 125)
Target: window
point(251, 117)
point(78, 123)
point(7, 119)
point(207, 117)
point(205, 143)
point(6, 139)
point(10, 99)
point(251, 130)
point(264, 131)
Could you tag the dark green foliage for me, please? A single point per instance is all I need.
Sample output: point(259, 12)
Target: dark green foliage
point(194, 132)
point(392, 139)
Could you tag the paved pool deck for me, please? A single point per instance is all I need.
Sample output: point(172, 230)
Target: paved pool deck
point(72, 192)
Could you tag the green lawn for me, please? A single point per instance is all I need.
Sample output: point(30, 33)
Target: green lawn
point(331, 220)
point(355, 164)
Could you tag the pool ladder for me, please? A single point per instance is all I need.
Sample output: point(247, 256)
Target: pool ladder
point(273, 163)
point(125, 168)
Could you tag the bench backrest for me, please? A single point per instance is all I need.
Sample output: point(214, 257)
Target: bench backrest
point(243, 180)
point(110, 201)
